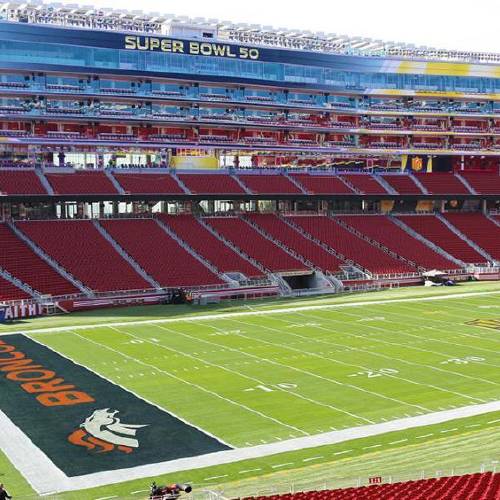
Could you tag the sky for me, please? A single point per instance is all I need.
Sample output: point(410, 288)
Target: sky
point(460, 24)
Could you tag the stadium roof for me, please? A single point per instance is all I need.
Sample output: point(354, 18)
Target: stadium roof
point(85, 16)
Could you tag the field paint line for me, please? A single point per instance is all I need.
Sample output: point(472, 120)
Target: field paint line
point(214, 477)
point(109, 381)
point(45, 477)
point(321, 377)
point(425, 436)
point(398, 377)
point(192, 384)
point(399, 441)
point(417, 337)
point(248, 470)
point(372, 446)
point(493, 421)
point(457, 310)
point(432, 339)
point(267, 360)
point(312, 458)
point(450, 430)
point(253, 379)
point(472, 425)
point(342, 452)
point(281, 465)
point(264, 312)
point(405, 346)
point(138, 491)
point(107, 498)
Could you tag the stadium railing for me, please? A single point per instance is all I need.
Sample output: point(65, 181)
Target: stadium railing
point(329, 481)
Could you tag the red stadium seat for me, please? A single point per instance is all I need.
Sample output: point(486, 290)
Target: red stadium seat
point(382, 229)
point(255, 245)
point(148, 183)
point(86, 182)
point(295, 241)
point(20, 182)
point(159, 254)
point(200, 239)
point(9, 291)
point(21, 261)
point(85, 253)
point(351, 246)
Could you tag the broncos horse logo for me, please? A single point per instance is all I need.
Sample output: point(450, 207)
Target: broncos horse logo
point(103, 432)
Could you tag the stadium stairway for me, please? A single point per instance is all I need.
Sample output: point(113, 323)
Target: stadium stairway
point(322, 184)
point(113, 181)
point(43, 180)
point(205, 243)
point(227, 242)
point(11, 290)
point(466, 183)
point(364, 184)
point(180, 182)
point(31, 265)
point(138, 269)
point(373, 242)
point(462, 236)
point(381, 180)
point(436, 231)
point(442, 183)
point(246, 238)
point(478, 228)
point(403, 184)
point(79, 248)
point(159, 254)
point(390, 234)
point(350, 247)
point(190, 250)
point(311, 253)
point(427, 242)
point(482, 183)
point(295, 181)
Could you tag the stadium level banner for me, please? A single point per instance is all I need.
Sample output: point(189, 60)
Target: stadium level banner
point(64, 36)
point(20, 311)
point(84, 423)
point(190, 47)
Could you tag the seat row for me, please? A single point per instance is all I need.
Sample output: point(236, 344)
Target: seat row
point(60, 257)
point(20, 181)
point(485, 486)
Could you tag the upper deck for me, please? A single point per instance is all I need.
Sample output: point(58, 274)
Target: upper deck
point(153, 49)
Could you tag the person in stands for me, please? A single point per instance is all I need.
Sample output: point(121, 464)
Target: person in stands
point(3, 493)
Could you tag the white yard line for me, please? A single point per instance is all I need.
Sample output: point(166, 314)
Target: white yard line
point(316, 375)
point(254, 312)
point(398, 377)
point(404, 346)
point(192, 384)
point(235, 372)
point(45, 477)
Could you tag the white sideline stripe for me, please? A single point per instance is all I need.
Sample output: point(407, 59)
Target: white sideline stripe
point(45, 477)
point(253, 312)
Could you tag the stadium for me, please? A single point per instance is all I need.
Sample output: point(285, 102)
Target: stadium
point(243, 261)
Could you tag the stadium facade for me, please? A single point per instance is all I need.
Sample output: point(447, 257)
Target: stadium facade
point(105, 113)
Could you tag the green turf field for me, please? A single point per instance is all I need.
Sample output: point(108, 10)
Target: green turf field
point(268, 372)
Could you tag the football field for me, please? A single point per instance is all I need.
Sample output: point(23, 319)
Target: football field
point(360, 374)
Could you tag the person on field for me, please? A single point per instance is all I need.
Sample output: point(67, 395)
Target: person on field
point(3, 493)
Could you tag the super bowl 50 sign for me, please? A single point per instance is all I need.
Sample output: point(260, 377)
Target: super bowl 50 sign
point(189, 47)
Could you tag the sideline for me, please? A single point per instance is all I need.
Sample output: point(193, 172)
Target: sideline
point(265, 312)
point(46, 478)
